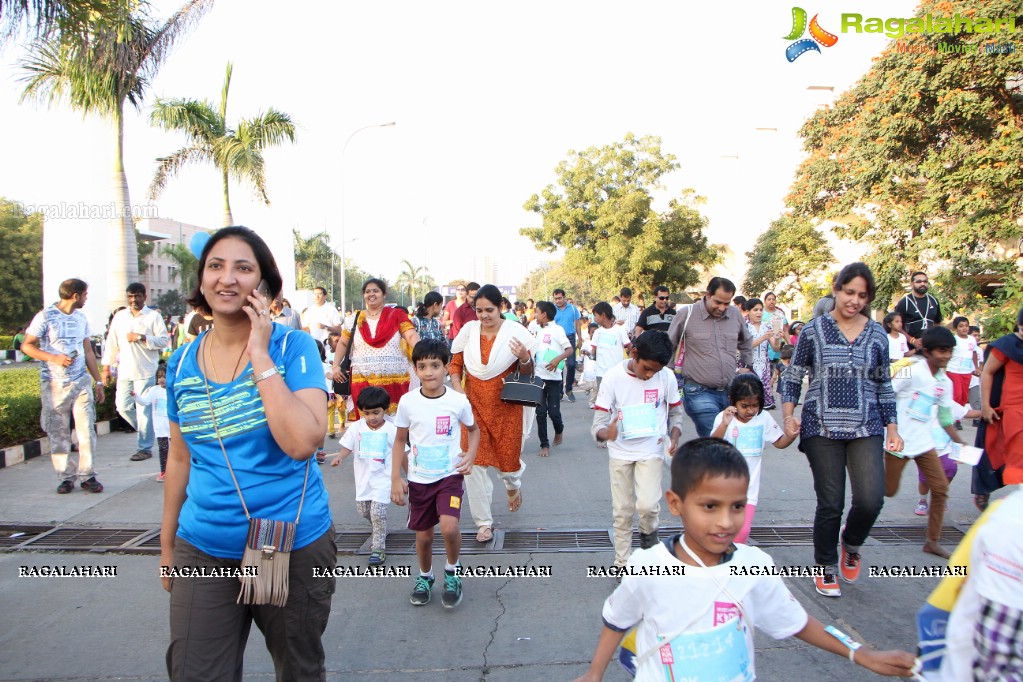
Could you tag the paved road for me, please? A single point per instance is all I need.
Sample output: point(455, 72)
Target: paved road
point(505, 629)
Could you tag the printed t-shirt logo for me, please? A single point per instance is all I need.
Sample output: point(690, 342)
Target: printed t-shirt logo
point(651, 396)
point(443, 426)
point(724, 611)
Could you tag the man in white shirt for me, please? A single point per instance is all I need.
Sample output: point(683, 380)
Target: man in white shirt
point(136, 337)
point(321, 318)
point(627, 314)
point(59, 337)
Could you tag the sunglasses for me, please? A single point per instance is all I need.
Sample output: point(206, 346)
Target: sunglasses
point(663, 298)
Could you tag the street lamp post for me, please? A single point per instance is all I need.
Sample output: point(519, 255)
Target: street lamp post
point(344, 204)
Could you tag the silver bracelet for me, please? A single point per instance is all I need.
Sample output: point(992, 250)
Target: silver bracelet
point(264, 375)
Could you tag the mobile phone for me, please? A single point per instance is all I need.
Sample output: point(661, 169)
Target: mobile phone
point(73, 354)
point(263, 288)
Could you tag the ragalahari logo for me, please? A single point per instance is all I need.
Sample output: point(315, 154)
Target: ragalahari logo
point(817, 35)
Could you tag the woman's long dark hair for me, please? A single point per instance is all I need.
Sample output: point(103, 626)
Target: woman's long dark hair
point(431, 298)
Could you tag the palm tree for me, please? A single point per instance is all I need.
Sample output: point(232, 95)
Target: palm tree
point(413, 280)
point(313, 260)
point(187, 266)
point(116, 65)
point(48, 17)
point(236, 153)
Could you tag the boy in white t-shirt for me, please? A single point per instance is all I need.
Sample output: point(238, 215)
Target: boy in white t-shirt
point(745, 425)
point(553, 347)
point(607, 344)
point(921, 389)
point(156, 395)
point(685, 590)
point(637, 404)
point(371, 440)
point(428, 419)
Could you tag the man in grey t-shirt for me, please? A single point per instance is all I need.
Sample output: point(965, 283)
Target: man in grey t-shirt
point(59, 337)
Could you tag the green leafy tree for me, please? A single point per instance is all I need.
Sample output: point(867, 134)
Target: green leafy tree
point(415, 281)
point(791, 258)
point(21, 265)
point(923, 161)
point(144, 249)
point(171, 302)
point(69, 19)
point(314, 260)
point(115, 66)
point(541, 281)
point(187, 266)
point(601, 213)
point(235, 152)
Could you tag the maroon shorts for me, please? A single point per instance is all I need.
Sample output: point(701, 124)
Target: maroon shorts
point(427, 502)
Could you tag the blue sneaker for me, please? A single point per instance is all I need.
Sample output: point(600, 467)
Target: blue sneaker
point(452, 596)
point(421, 592)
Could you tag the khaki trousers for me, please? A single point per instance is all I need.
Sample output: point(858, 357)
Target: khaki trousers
point(934, 473)
point(635, 488)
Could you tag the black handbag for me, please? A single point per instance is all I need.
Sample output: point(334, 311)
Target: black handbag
point(520, 390)
point(345, 387)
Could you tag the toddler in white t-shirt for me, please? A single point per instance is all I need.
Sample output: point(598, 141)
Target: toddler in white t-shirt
point(684, 595)
point(371, 439)
point(607, 345)
point(745, 425)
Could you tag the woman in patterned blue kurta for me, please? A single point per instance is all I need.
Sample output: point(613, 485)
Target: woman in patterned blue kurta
point(847, 422)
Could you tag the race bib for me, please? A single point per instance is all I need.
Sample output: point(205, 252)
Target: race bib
point(607, 340)
point(921, 407)
point(640, 421)
point(749, 440)
point(940, 437)
point(373, 445)
point(966, 364)
point(716, 655)
point(431, 460)
point(550, 355)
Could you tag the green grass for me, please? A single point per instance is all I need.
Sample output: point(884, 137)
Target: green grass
point(20, 406)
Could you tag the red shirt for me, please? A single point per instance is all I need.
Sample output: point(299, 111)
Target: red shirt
point(464, 313)
point(449, 310)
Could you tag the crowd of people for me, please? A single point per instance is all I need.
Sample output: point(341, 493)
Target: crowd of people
point(429, 404)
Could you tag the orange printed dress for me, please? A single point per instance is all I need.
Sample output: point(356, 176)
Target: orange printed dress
point(378, 357)
point(500, 423)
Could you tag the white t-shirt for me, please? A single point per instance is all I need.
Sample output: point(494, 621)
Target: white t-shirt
point(897, 348)
point(995, 575)
point(962, 355)
point(433, 432)
point(371, 450)
point(315, 315)
point(61, 334)
point(641, 408)
point(661, 605)
point(607, 346)
point(156, 395)
point(750, 439)
point(551, 342)
point(918, 395)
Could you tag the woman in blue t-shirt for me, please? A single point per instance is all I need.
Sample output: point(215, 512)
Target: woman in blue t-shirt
point(246, 406)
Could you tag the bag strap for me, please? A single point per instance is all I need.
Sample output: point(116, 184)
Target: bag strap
point(351, 339)
point(682, 338)
point(234, 479)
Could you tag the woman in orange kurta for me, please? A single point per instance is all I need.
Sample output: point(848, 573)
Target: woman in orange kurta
point(484, 353)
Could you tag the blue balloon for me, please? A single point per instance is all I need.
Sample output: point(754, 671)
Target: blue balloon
point(198, 243)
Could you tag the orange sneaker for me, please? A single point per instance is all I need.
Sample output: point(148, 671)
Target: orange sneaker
point(849, 566)
point(827, 584)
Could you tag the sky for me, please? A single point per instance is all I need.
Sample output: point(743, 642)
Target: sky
point(487, 99)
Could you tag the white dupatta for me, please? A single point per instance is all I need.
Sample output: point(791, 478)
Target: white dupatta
point(501, 357)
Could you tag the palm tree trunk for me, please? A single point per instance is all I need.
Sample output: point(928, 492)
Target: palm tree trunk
point(125, 265)
point(228, 218)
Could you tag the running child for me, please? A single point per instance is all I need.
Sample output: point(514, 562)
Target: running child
point(964, 365)
point(707, 609)
point(371, 440)
point(607, 344)
point(156, 395)
point(553, 348)
point(638, 405)
point(746, 425)
point(921, 389)
point(428, 419)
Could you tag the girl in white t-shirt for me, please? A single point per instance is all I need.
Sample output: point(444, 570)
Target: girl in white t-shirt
point(745, 425)
point(898, 345)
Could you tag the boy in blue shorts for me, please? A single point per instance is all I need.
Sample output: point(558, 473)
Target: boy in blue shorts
point(721, 605)
point(428, 420)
